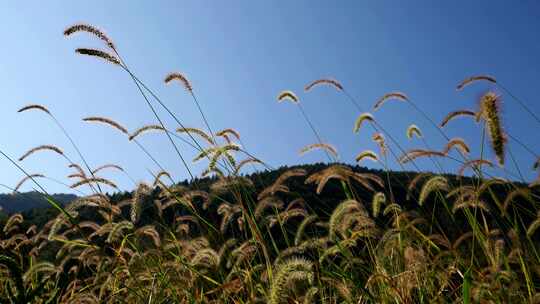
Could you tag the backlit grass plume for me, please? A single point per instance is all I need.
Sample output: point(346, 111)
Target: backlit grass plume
point(197, 131)
point(360, 120)
point(98, 54)
point(523, 192)
point(475, 164)
point(217, 152)
point(436, 183)
point(302, 227)
point(12, 222)
point(297, 172)
point(392, 95)
point(345, 174)
point(41, 148)
point(116, 230)
point(413, 130)
point(142, 191)
point(181, 78)
point(287, 95)
point(474, 204)
point(108, 166)
point(25, 179)
point(377, 201)
point(145, 129)
point(157, 178)
point(94, 180)
point(348, 209)
point(279, 184)
point(473, 79)
point(455, 114)
point(244, 162)
point(233, 132)
point(287, 275)
point(223, 151)
point(78, 168)
point(458, 143)
point(412, 185)
point(416, 153)
point(106, 121)
point(381, 142)
point(327, 147)
point(80, 27)
point(34, 107)
point(325, 81)
point(491, 113)
point(367, 154)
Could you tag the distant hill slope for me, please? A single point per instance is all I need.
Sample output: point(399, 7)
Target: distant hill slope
point(37, 211)
point(25, 201)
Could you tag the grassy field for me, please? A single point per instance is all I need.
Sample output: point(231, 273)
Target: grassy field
point(326, 233)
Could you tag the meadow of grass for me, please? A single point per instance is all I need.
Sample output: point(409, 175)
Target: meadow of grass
point(328, 234)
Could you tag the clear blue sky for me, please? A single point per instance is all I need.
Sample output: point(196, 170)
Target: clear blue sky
point(240, 54)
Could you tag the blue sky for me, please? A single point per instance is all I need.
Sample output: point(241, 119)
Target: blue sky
point(240, 54)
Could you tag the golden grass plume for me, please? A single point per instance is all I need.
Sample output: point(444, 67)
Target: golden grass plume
point(490, 110)
point(414, 182)
point(94, 180)
point(473, 79)
point(416, 153)
point(244, 162)
point(324, 81)
point(26, 178)
point(81, 27)
point(98, 54)
point(458, 143)
point(197, 131)
point(107, 166)
point(146, 129)
point(361, 118)
point(413, 130)
point(377, 201)
point(181, 78)
point(34, 107)
point(368, 154)
point(41, 148)
point(475, 163)
point(287, 95)
point(455, 114)
point(324, 146)
point(393, 95)
point(228, 131)
point(435, 183)
point(106, 121)
point(381, 142)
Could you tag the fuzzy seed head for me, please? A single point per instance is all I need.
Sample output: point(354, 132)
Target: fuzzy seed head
point(181, 78)
point(41, 148)
point(361, 118)
point(106, 121)
point(393, 95)
point(80, 27)
point(491, 113)
point(99, 54)
point(325, 81)
point(34, 107)
point(473, 79)
point(287, 95)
